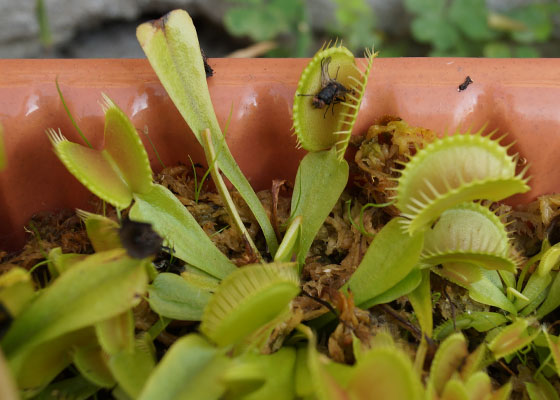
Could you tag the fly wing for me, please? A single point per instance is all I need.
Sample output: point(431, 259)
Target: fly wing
point(325, 78)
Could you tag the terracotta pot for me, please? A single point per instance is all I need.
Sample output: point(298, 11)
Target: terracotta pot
point(516, 96)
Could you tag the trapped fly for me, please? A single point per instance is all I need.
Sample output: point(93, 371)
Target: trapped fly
point(332, 92)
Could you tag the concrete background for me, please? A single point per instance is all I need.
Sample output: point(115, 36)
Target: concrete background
point(106, 28)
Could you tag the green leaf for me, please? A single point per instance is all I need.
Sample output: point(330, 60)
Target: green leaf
point(320, 180)
point(190, 370)
point(247, 300)
point(552, 301)
point(496, 50)
point(402, 288)
point(482, 169)
point(435, 30)
point(535, 302)
point(391, 256)
point(16, 290)
point(541, 389)
point(478, 385)
point(114, 173)
point(526, 52)
point(100, 287)
point(290, 242)
point(172, 221)
point(200, 279)
point(483, 290)
point(103, 232)
point(472, 18)
point(123, 144)
point(433, 7)
point(50, 358)
point(59, 263)
point(263, 376)
point(259, 23)
point(90, 362)
point(554, 346)
point(117, 333)
point(550, 260)
point(93, 169)
point(173, 297)
point(132, 369)
point(319, 129)
point(537, 20)
point(454, 390)
point(8, 388)
point(77, 388)
point(172, 48)
point(475, 362)
point(469, 233)
point(512, 338)
point(534, 287)
point(449, 356)
point(421, 301)
point(392, 372)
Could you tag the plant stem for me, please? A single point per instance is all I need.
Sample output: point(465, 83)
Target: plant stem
point(214, 168)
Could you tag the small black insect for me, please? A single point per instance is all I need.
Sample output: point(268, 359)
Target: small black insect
point(207, 68)
point(5, 320)
point(332, 92)
point(465, 84)
point(139, 239)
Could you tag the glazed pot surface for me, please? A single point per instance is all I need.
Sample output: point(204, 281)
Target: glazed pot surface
point(516, 96)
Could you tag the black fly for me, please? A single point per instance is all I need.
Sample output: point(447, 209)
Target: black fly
point(139, 239)
point(5, 320)
point(332, 92)
point(465, 84)
point(207, 68)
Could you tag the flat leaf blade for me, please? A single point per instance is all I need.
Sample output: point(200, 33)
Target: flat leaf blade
point(320, 180)
point(191, 368)
point(172, 48)
point(391, 256)
point(171, 220)
point(173, 297)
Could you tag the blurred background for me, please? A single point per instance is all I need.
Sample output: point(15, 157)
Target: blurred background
point(287, 28)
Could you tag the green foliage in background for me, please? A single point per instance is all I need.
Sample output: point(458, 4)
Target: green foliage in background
point(468, 28)
point(267, 20)
point(437, 28)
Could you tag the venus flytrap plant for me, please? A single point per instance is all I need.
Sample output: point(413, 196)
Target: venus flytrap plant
point(121, 173)
point(171, 45)
point(445, 232)
point(323, 173)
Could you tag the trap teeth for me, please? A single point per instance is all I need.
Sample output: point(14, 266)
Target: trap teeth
point(453, 170)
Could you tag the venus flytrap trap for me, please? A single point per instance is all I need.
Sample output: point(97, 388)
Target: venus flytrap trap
point(482, 170)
